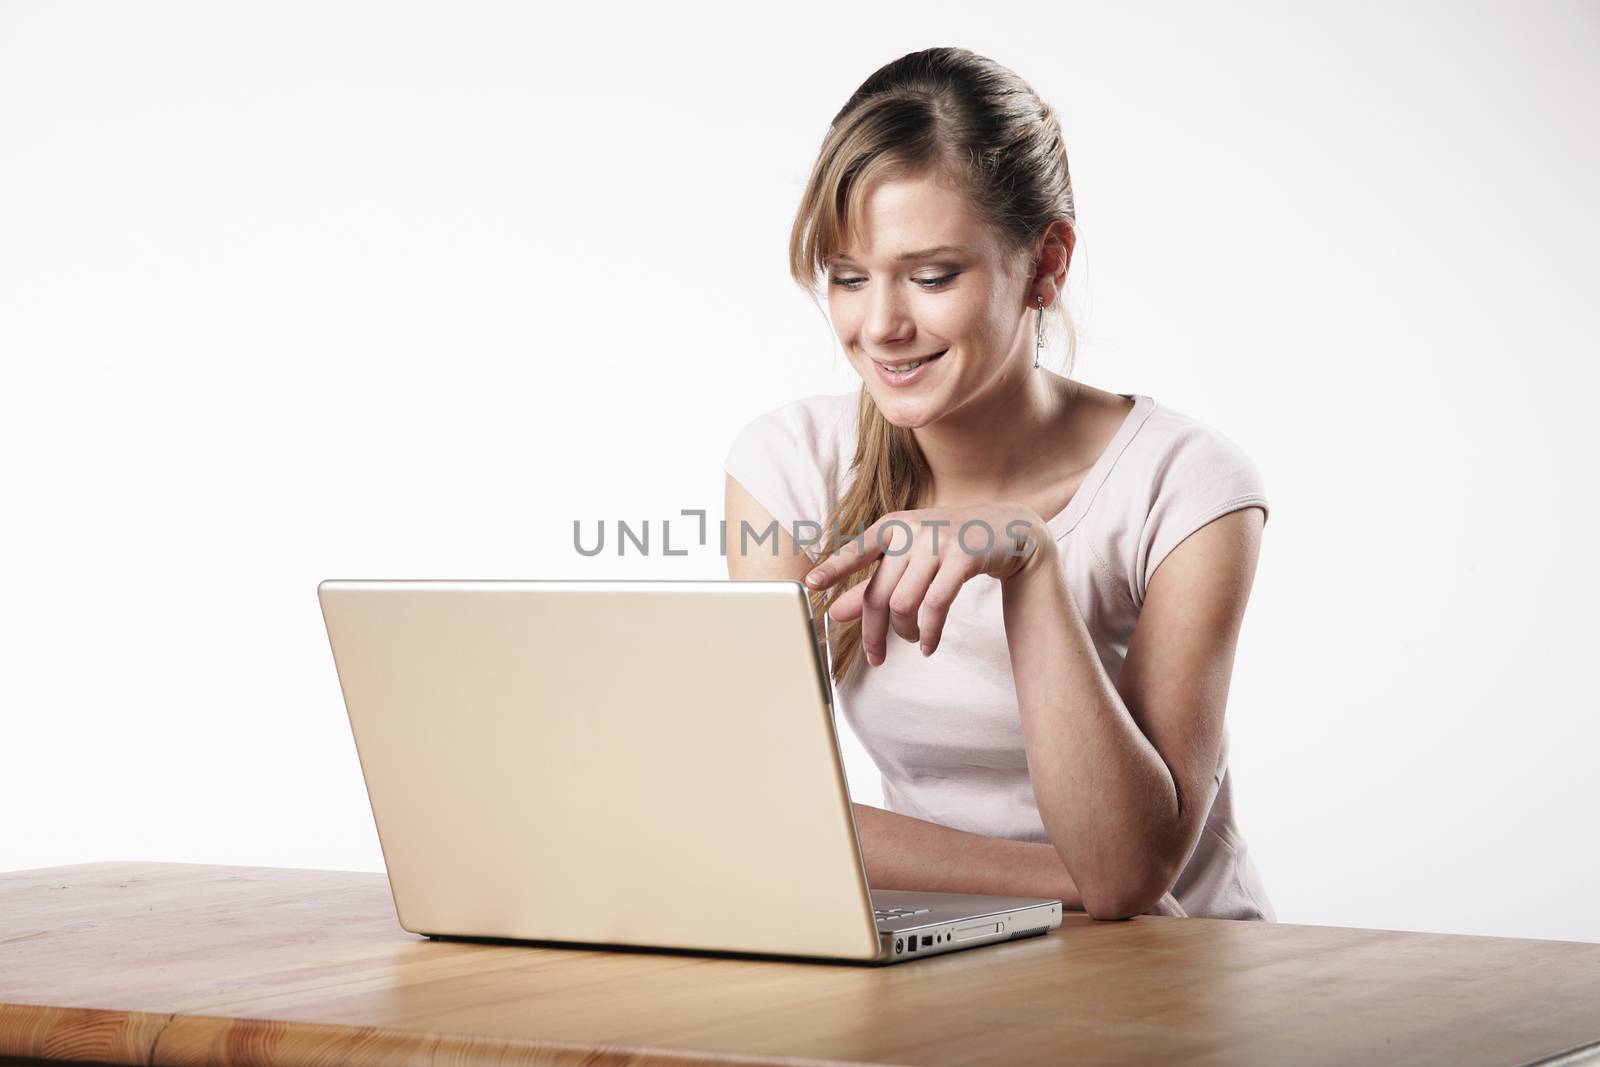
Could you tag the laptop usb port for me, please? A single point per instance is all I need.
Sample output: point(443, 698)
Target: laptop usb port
point(927, 939)
point(911, 944)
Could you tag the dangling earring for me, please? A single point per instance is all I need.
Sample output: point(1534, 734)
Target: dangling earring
point(1038, 341)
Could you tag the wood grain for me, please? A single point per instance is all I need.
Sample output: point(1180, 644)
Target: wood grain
point(189, 964)
point(79, 1034)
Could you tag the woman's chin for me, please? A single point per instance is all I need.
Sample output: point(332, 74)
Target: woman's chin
point(906, 412)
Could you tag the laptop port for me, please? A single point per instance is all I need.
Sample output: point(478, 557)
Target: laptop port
point(911, 944)
point(927, 939)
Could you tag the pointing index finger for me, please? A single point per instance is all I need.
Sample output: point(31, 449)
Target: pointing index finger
point(856, 553)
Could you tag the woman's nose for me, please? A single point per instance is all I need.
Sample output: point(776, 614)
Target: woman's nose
point(888, 319)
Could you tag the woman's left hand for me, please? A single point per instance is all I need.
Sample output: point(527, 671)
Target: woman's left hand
point(925, 557)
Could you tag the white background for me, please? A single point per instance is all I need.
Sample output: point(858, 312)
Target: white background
point(298, 291)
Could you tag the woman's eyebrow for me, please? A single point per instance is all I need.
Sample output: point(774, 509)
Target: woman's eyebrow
point(921, 253)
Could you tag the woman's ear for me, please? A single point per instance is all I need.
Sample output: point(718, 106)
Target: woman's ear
point(1056, 251)
point(1069, 242)
point(1052, 256)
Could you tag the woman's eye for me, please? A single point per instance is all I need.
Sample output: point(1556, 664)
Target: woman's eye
point(850, 282)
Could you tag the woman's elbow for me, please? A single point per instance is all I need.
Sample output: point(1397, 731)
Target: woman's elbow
point(1109, 909)
point(1121, 901)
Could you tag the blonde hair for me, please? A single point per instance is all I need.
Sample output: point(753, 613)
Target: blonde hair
point(968, 121)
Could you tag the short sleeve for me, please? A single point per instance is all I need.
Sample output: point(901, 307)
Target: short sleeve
point(788, 460)
point(1202, 476)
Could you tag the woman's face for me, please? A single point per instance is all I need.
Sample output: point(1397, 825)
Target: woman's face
point(895, 301)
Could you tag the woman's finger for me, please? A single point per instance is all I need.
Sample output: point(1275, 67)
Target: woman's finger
point(956, 570)
point(875, 601)
point(909, 591)
point(856, 552)
point(847, 605)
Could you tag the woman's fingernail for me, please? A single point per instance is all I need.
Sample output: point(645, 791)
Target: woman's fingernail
point(813, 579)
point(926, 649)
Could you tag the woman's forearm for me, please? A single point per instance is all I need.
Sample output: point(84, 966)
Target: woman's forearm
point(907, 853)
point(1105, 795)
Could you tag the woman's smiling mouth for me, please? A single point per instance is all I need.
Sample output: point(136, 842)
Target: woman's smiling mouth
point(906, 371)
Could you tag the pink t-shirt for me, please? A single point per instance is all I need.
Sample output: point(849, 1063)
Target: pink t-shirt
point(944, 731)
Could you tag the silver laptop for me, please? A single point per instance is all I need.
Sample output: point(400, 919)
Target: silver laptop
point(614, 764)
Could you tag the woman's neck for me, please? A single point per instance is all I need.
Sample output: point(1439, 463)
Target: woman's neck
point(1007, 445)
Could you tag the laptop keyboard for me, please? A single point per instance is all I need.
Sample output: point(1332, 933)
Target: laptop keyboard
point(881, 914)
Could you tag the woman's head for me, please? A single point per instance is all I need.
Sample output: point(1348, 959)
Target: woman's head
point(939, 148)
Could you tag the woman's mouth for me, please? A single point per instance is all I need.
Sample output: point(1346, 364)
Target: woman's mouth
point(906, 373)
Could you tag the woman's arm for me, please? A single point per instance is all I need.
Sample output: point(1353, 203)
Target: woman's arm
point(1124, 775)
point(907, 853)
point(780, 558)
point(902, 852)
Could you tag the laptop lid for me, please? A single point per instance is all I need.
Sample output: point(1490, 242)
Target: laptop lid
point(648, 763)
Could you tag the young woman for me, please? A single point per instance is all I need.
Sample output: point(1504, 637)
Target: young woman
point(1033, 588)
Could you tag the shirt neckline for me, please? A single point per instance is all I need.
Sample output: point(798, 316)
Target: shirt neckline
point(1065, 520)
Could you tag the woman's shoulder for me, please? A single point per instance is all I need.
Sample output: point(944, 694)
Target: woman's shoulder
point(1172, 451)
point(1175, 473)
point(812, 423)
point(794, 458)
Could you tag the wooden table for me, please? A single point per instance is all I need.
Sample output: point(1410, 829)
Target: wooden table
point(164, 963)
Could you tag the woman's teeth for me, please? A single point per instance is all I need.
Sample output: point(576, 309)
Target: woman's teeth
point(907, 368)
